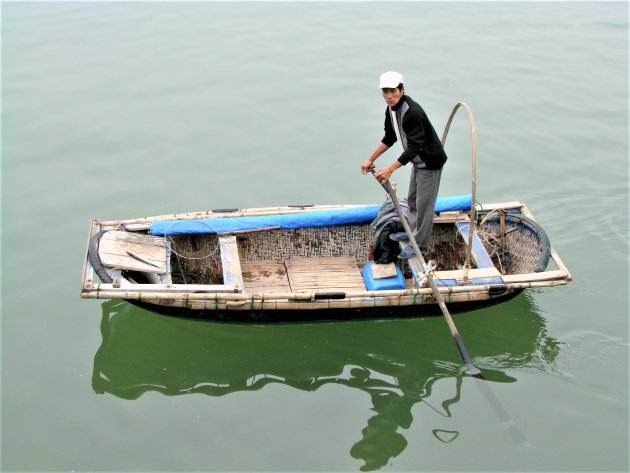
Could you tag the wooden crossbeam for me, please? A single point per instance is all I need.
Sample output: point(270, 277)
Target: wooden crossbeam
point(230, 262)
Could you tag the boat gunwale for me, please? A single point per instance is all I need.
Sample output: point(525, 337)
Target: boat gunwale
point(209, 292)
point(139, 224)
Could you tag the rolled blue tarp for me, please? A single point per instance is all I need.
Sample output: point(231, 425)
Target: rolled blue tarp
point(320, 218)
point(452, 203)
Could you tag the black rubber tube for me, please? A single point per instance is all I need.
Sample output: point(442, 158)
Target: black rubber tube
point(95, 260)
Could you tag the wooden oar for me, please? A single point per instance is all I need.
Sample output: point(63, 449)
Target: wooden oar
point(493, 400)
point(470, 367)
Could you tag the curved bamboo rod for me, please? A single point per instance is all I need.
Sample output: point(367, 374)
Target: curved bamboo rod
point(473, 207)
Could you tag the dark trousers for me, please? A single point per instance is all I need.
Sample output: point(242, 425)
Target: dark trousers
point(423, 190)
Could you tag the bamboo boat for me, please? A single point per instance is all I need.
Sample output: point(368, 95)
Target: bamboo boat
point(298, 263)
point(316, 261)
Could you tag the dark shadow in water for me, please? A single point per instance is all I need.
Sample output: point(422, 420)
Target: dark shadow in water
point(395, 362)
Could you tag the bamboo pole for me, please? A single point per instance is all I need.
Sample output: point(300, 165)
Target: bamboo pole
point(249, 212)
point(473, 208)
point(107, 291)
point(196, 301)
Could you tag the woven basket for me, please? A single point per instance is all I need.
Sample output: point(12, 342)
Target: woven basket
point(526, 249)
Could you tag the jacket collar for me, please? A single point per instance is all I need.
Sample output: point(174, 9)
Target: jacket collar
point(399, 104)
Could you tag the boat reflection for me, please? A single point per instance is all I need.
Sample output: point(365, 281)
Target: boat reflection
point(398, 363)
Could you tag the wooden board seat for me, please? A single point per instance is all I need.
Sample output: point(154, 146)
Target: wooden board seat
point(130, 251)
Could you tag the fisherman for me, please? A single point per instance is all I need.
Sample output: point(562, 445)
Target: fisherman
point(407, 122)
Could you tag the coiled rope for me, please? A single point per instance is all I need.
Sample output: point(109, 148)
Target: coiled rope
point(170, 245)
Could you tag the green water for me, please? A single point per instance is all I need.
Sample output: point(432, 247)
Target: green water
point(121, 110)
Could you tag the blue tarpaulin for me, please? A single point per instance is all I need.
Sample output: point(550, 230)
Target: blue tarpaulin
point(320, 218)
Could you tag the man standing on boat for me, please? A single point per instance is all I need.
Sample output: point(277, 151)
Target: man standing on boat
point(407, 122)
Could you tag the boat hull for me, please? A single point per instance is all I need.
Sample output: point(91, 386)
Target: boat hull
point(320, 314)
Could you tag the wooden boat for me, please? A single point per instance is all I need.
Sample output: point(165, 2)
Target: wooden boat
point(299, 263)
point(315, 262)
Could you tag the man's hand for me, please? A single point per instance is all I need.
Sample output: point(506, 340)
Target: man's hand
point(384, 174)
point(367, 166)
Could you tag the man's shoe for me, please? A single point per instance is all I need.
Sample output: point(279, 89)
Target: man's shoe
point(407, 253)
point(400, 236)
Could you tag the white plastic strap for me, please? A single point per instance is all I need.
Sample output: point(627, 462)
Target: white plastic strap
point(392, 113)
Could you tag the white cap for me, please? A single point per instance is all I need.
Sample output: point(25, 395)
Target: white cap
point(390, 80)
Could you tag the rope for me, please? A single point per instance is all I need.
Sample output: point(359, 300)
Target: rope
point(495, 245)
point(171, 247)
point(432, 266)
point(430, 270)
point(498, 245)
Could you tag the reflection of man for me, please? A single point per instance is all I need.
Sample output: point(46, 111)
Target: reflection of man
point(381, 441)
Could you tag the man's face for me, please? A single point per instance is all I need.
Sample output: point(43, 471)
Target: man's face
point(392, 96)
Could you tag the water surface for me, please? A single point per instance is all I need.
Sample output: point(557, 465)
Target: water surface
point(120, 109)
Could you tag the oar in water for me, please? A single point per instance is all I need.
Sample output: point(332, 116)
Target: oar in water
point(470, 367)
point(513, 429)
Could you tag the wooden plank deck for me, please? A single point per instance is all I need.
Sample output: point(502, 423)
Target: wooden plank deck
point(324, 274)
point(303, 275)
point(265, 276)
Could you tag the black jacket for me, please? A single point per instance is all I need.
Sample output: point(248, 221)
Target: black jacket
point(387, 221)
point(419, 139)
